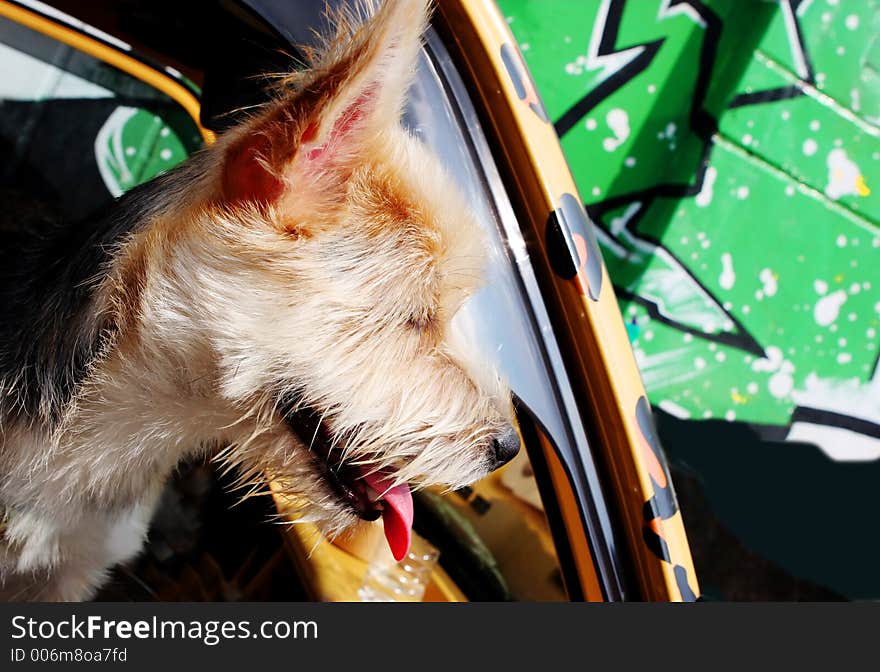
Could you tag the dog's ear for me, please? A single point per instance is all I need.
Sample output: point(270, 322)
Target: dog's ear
point(355, 87)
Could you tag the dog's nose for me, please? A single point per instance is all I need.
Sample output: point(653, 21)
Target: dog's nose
point(506, 447)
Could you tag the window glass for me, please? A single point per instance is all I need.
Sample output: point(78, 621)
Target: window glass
point(510, 547)
point(75, 131)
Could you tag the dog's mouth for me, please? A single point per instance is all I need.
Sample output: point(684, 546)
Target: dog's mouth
point(370, 494)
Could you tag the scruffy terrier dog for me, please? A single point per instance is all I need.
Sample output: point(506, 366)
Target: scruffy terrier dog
point(281, 301)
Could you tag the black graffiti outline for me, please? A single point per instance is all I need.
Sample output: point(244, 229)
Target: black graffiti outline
point(828, 418)
point(776, 94)
point(740, 337)
point(702, 123)
point(704, 126)
point(618, 79)
point(741, 340)
point(874, 369)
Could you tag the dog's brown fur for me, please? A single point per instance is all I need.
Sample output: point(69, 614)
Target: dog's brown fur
point(313, 257)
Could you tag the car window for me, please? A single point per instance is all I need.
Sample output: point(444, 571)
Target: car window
point(76, 131)
point(505, 509)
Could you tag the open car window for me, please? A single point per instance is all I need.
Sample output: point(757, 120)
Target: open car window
point(506, 509)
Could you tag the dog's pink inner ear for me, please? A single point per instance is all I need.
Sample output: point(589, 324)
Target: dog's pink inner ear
point(245, 177)
point(345, 128)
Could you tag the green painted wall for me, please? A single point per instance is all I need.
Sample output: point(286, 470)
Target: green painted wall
point(729, 154)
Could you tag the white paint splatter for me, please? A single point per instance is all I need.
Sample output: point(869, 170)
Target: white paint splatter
point(810, 147)
point(852, 22)
point(704, 198)
point(577, 66)
point(618, 121)
point(815, 125)
point(768, 277)
point(674, 409)
point(728, 276)
point(590, 124)
point(821, 287)
point(742, 193)
point(781, 384)
point(630, 161)
point(844, 176)
point(771, 362)
point(841, 240)
point(828, 308)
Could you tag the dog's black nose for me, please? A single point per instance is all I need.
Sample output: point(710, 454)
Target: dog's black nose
point(506, 447)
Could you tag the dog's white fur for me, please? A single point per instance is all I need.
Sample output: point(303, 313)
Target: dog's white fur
point(336, 291)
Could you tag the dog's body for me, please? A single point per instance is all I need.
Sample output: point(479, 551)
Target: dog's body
point(290, 286)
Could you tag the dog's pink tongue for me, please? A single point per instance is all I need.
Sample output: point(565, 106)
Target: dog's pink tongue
point(397, 516)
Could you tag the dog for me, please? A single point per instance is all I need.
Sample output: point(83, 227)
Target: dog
point(281, 302)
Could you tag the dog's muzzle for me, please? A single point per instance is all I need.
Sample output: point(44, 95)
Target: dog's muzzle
point(344, 480)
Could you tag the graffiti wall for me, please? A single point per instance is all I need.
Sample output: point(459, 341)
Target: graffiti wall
point(728, 152)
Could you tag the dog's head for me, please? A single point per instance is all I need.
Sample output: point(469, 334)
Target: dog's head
point(343, 252)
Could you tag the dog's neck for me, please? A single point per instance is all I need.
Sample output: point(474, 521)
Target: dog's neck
point(59, 305)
